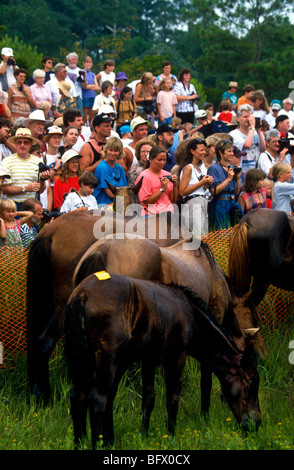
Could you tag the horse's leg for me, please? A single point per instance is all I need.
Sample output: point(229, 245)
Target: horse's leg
point(173, 371)
point(45, 346)
point(206, 385)
point(148, 394)
point(79, 407)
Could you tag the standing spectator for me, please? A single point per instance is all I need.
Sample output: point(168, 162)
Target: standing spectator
point(90, 88)
point(287, 109)
point(157, 192)
point(139, 128)
point(166, 102)
point(53, 140)
point(75, 74)
point(125, 107)
point(23, 168)
point(247, 138)
point(107, 73)
point(120, 83)
point(73, 117)
point(105, 97)
point(68, 180)
point(231, 94)
point(273, 115)
point(109, 171)
point(60, 76)
point(7, 68)
point(272, 154)
point(91, 151)
point(30, 229)
point(65, 100)
point(20, 99)
point(260, 105)
point(4, 109)
point(39, 91)
point(143, 95)
point(165, 139)
point(166, 73)
point(186, 95)
point(283, 190)
point(245, 98)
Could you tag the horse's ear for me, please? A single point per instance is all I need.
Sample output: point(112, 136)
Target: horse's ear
point(111, 188)
point(137, 187)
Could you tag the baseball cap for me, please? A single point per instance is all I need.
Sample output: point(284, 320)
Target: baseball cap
point(238, 152)
point(7, 51)
point(137, 121)
point(99, 118)
point(200, 114)
point(276, 106)
point(165, 128)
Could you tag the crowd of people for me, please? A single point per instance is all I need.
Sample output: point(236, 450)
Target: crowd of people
point(67, 135)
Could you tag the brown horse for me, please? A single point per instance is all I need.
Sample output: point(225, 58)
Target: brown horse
point(194, 268)
point(262, 249)
point(53, 256)
point(111, 323)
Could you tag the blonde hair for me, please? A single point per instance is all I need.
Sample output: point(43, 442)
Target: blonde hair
point(7, 205)
point(279, 168)
point(116, 144)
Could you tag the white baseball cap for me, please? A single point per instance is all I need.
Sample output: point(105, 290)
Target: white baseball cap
point(7, 51)
point(68, 155)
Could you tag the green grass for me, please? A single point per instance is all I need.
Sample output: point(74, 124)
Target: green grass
point(26, 426)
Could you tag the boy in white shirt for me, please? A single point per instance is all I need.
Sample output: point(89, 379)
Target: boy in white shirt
point(83, 198)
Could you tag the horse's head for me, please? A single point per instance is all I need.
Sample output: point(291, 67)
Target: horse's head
point(126, 200)
point(240, 388)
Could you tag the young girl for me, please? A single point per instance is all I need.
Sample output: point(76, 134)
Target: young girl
point(253, 193)
point(69, 178)
point(10, 227)
point(105, 97)
point(166, 102)
point(268, 187)
point(283, 191)
point(89, 88)
point(260, 106)
point(225, 111)
point(83, 198)
point(65, 101)
point(125, 107)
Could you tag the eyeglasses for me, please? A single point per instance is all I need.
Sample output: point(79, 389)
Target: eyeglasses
point(22, 142)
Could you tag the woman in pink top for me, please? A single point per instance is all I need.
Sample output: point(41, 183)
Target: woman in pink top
point(39, 91)
point(159, 188)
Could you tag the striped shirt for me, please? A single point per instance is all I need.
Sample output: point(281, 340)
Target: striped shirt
point(22, 172)
point(28, 234)
point(181, 90)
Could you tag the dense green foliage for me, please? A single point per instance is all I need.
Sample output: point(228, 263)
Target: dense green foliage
point(24, 426)
point(251, 42)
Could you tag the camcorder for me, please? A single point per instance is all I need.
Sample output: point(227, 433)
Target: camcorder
point(11, 61)
point(47, 216)
point(287, 143)
point(81, 76)
point(236, 169)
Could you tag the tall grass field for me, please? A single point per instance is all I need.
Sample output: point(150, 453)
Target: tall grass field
point(26, 426)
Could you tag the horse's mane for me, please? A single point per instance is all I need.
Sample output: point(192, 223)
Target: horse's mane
point(208, 253)
point(199, 304)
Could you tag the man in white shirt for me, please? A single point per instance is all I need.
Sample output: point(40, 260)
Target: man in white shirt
point(60, 76)
point(287, 109)
point(247, 138)
point(272, 155)
point(7, 68)
point(74, 73)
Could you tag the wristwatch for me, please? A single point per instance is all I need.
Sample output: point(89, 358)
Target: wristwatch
point(23, 189)
point(162, 190)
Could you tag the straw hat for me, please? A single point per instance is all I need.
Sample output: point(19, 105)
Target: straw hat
point(23, 133)
point(53, 130)
point(65, 87)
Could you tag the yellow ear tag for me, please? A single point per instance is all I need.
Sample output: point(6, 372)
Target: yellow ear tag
point(102, 275)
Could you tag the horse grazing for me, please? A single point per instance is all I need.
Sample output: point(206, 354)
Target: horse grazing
point(111, 323)
point(262, 248)
point(52, 258)
point(195, 268)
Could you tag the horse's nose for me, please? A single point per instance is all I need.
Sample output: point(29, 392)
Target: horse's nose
point(251, 421)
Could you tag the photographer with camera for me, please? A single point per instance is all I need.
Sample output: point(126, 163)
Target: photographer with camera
point(7, 69)
point(159, 188)
point(187, 96)
point(223, 209)
point(273, 153)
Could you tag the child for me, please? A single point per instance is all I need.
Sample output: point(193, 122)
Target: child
point(283, 191)
point(268, 186)
point(166, 102)
point(65, 101)
point(260, 105)
point(83, 197)
point(3, 176)
point(90, 87)
point(126, 107)
point(253, 193)
point(10, 234)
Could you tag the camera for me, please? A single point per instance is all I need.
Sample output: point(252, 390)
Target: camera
point(169, 177)
point(81, 76)
point(257, 123)
point(236, 169)
point(43, 167)
point(47, 216)
point(287, 143)
point(11, 61)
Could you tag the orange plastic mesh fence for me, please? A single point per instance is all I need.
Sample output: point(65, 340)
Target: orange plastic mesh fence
point(275, 309)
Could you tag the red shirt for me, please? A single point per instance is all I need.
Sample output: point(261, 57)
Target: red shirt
point(61, 189)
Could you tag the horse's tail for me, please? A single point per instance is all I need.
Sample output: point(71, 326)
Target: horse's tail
point(40, 294)
point(239, 262)
point(96, 261)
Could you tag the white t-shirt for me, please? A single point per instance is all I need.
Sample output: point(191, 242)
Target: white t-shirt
point(74, 201)
point(290, 115)
point(248, 161)
point(282, 195)
point(195, 178)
